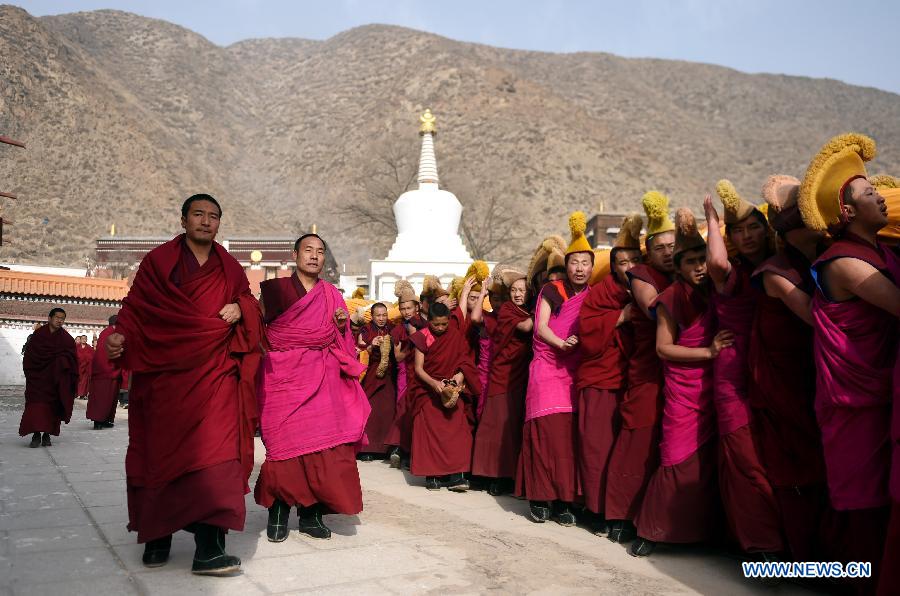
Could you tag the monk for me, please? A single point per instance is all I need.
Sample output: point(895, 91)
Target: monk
point(85, 355)
point(313, 411)
point(783, 374)
point(379, 383)
point(682, 504)
point(399, 435)
point(635, 455)
point(189, 331)
point(547, 470)
point(51, 379)
point(106, 379)
point(748, 498)
point(600, 380)
point(446, 378)
point(855, 309)
point(498, 438)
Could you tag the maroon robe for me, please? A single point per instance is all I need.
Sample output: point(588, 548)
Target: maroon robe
point(85, 355)
point(192, 404)
point(51, 378)
point(498, 439)
point(328, 477)
point(442, 437)
point(635, 455)
point(106, 379)
point(400, 433)
point(600, 385)
point(382, 392)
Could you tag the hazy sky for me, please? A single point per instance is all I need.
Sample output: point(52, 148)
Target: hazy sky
point(853, 41)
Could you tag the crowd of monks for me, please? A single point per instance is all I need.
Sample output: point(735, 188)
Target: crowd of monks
point(729, 382)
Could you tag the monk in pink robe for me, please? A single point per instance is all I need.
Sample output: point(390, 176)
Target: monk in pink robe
point(106, 379)
point(548, 471)
point(313, 411)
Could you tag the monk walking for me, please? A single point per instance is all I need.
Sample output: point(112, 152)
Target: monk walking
point(379, 383)
point(51, 379)
point(189, 331)
point(106, 379)
point(85, 357)
point(313, 410)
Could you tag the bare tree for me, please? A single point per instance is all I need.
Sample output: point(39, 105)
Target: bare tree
point(493, 232)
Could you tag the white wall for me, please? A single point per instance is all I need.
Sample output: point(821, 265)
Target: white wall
point(12, 338)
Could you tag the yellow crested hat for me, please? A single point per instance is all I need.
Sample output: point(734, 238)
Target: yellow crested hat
point(404, 292)
point(687, 235)
point(656, 206)
point(841, 160)
point(540, 260)
point(480, 270)
point(736, 208)
point(629, 235)
point(432, 288)
point(780, 192)
point(889, 188)
point(359, 294)
point(578, 225)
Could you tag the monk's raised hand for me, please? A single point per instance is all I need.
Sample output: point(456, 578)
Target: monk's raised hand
point(468, 285)
point(115, 345)
point(340, 318)
point(230, 313)
point(712, 216)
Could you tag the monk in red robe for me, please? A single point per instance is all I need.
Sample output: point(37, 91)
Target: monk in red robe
point(85, 356)
point(498, 438)
point(313, 411)
point(51, 379)
point(446, 379)
point(106, 379)
point(189, 331)
point(635, 455)
point(379, 383)
point(600, 381)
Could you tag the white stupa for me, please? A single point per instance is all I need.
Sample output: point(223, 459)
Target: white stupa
point(428, 240)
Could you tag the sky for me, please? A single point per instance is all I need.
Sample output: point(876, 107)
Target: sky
point(856, 42)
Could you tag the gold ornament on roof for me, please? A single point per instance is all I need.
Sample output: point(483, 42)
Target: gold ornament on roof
point(428, 123)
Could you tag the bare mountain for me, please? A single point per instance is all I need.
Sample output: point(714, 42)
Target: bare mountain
point(125, 116)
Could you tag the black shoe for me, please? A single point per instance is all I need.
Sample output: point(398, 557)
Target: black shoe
point(156, 552)
point(395, 458)
point(107, 424)
point(277, 528)
point(98, 426)
point(565, 517)
point(539, 511)
point(45, 441)
point(456, 482)
point(364, 457)
point(210, 557)
point(599, 526)
point(432, 483)
point(311, 522)
point(35, 441)
point(641, 547)
point(498, 487)
point(621, 531)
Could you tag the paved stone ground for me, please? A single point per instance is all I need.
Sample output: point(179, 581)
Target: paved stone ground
point(63, 515)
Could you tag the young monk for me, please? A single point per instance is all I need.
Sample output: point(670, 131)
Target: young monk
point(547, 471)
point(498, 438)
point(445, 379)
point(747, 496)
point(106, 379)
point(635, 455)
point(600, 379)
point(682, 504)
point(313, 411)
point(379, 382)
point(783, 374)
point(85, 354)
point(855, 310)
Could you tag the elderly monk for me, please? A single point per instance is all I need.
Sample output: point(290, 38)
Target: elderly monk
point(106, 380)
point(600, 380)
point(635, 455)
point(547, 471)
point(51, 378)
point(189, 332)
point(313, 410)
point(85, 355)
point(854, 310)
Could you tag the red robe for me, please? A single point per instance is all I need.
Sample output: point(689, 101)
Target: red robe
point(635, 455)
point(442, 437)
point(600, 385)
point(400, 433)
point(51, 378)
point(499, 435)
point(192, 404)
point(85, 355)
point(382, 393)
point(106, 379)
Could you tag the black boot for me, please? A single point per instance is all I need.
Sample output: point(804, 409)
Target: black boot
point(210, 557)
point(45, 441)
point(98, 425)
point(564, 515)
point(641, 547)
point(621, 531)
point(456, 482)
point(539, 511)
point(108, 424)
point(432, 483)
point(35, 441)
point(364, 457)
point(156, 552)
point(311, 522)
point(277, 529)
point(598, 525)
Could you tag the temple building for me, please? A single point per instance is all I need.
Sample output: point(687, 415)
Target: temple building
point(428, 240)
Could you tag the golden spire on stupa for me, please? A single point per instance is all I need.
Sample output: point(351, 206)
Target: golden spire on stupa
point(428, 123)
